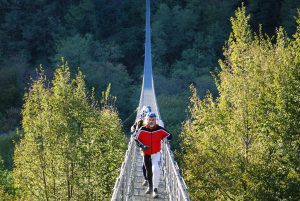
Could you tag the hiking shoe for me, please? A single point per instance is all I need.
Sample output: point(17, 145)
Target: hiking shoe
point(145, 183)
point(148, 191)
point(155, 193)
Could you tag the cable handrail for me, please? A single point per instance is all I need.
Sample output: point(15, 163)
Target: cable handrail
point(121, 189)
point(176, 187)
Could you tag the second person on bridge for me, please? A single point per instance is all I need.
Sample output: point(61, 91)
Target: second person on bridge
point(151, 136)
point(134, 130)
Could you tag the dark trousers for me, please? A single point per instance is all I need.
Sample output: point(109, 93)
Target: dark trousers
point(148, 169)
point(144, 172)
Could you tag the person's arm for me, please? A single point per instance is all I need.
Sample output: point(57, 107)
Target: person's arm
point(138, 138)
point(166, 135)
point(133, 127)
point(138, 135)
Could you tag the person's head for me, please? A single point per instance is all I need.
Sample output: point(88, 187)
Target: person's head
point(151, 119)
point(145, 111)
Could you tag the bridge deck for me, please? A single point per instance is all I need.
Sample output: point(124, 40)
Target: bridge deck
point(139, 190)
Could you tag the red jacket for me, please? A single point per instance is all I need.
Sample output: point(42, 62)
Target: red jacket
point(152, 137)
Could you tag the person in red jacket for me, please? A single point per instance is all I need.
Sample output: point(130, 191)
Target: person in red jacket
point(151, 136)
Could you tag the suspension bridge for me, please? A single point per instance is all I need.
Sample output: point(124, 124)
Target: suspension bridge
point(128, 186)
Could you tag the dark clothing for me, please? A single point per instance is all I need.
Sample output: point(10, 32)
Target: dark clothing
point(148, 169)
point(144, 172)
point(137, 125)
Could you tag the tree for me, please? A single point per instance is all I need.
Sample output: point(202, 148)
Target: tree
point(100, 63)
point(71, 149)
point(81, 15)
point(6, 189)
point(244, 144)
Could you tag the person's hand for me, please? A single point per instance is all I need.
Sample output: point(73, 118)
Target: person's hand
point(132, 129)
point(145, 147)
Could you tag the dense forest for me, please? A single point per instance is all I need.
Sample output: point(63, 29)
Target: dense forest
point(105, 39)
point(94, 50)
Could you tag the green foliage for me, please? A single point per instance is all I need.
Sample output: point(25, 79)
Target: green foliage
point(172, 109)
point(81, 17)
point(167, 42)
point(7, 145)
point(288, 12)
point(12, 73)
point(4, 195)
point(31, 35)
point(108, 101)
point(6, 188)
point(99, 62)
point(106, 39)
point(71, 150)
point(273, 13)
point(245, 144)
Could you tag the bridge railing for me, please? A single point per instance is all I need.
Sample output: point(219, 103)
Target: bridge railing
point(175, 185)
point(124, 184)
